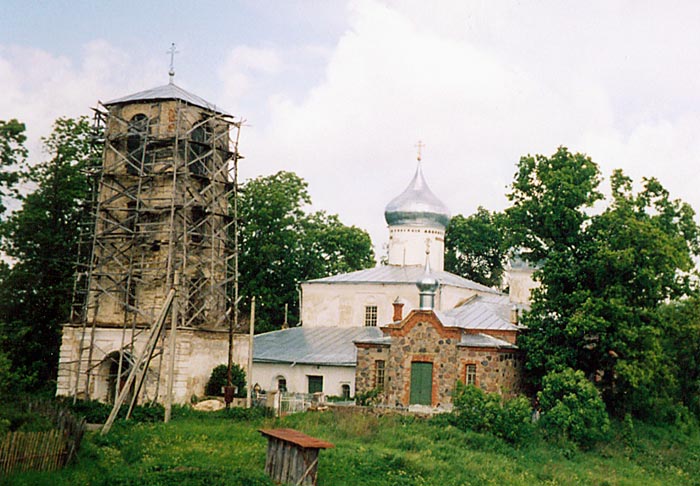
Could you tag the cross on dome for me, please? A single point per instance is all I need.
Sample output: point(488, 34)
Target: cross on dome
point(420, 146)
point(172, 52)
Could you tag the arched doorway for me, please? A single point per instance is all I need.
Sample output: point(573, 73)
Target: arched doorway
point(116, 379)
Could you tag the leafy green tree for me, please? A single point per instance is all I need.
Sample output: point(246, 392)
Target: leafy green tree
point(282, 245)
point(572, 408)
point(35, 294)
point(507, 418)
point(603, 277)
point(681, 328)
point(475, 247)
point(12, 154)
point(218, 380)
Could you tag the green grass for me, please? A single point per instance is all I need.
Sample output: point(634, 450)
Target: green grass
point(197, 448)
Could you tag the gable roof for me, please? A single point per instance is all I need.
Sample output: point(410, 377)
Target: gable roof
point(312, 345)
point(402, 274)
point(481, 312)
point(484, 341)
point(167, 92)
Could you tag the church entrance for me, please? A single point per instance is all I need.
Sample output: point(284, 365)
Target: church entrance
point(421, 384)
point(115, 379)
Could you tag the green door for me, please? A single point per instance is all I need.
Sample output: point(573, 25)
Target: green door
point(421, 383)
point(315, 383)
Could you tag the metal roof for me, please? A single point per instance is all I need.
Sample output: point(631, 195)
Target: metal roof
point(484, 341)
point(403, 274)
point(312, 345)
point(484, 312)
point(167, 92)
point(417, 205)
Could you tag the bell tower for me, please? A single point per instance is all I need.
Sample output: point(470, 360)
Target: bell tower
point(161, 219)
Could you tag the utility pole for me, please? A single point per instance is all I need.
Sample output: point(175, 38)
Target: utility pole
point(249, 371)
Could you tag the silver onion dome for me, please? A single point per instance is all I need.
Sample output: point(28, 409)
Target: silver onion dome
point(417, 206)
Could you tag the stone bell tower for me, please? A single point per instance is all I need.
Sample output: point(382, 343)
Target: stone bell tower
point(161, 220)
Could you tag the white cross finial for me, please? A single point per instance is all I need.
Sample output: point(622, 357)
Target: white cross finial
point(172, 53)
point(420, 146)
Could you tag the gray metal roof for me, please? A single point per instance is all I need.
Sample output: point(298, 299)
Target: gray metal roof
point(484, 312)
point(484, 341)
point(312, 345)
point(167, 92)
point(402, 274)
point(417, 206)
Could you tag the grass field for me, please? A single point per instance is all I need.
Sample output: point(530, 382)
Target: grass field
point(212, 449)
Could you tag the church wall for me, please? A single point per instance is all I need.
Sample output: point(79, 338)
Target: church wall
point(334, 377)
point(497, 370)
point(197, 353)
point(521, 284)
point(407, 245)
point(422, 339)
point(343, 305)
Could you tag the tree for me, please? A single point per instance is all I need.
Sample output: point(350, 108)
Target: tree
point(12, 154)
point(281, 245)
point(603, 277)
point(550, 196)
point(475, 247)
point(35, 294)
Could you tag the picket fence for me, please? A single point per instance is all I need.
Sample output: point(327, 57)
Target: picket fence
point(42, 451)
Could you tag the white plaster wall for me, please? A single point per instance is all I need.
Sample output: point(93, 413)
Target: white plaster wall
point(343, 305)
point(521, 284)
point(407, 246)
point(334, 377)
point(197, 353)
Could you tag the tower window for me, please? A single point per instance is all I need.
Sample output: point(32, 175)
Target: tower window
point(370, 315)
point(136, 153)
point(199, 153)
point(198, 224)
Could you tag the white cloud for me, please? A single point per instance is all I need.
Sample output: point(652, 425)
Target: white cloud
point(481, 86)
point(39, 87)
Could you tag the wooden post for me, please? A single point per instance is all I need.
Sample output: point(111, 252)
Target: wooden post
point(143, 357)
point(171, 358)
point(249, 371)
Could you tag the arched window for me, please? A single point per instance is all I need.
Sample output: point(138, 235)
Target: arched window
point(137, 155)
point(199, 153)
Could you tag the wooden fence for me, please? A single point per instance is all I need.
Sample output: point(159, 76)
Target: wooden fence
point(42, 451)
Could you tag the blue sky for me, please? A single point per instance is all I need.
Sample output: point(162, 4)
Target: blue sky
point(341, 91)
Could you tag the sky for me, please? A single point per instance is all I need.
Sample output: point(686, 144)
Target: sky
point(340, 92)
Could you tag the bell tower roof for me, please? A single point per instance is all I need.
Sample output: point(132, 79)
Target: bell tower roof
point(169, 91)
point(417, 205)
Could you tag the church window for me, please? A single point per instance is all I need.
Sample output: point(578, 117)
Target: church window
point(137, 156)
point(345, 388)
point(371, 315)
point(198, 224)
point(315, 383)
point(379, 374)
point(282, 385)
point(199, 153)
point(470, 374)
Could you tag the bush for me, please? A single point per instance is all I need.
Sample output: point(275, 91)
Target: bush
point(477, 410)
point(218, 380)
point(572, 409)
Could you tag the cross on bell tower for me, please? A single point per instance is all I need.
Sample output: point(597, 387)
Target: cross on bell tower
point(172, 52)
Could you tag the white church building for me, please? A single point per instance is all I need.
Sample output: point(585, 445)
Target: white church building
point(339, 310)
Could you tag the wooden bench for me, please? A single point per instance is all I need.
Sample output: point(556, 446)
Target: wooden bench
point(292, 457)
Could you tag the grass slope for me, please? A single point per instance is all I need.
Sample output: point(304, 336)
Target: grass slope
point(387, 451)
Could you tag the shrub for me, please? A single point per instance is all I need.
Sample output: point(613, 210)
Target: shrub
point(572, 408)
point(477, 410)
point(218, 380)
